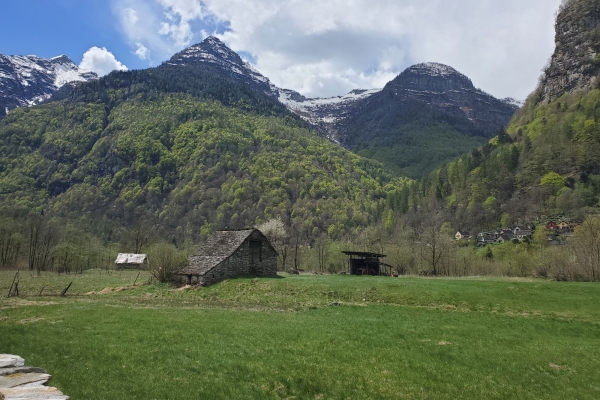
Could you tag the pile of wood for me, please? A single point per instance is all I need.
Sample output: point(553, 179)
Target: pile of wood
point(25, 383)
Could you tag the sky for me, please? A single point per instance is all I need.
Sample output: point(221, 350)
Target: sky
point(319, 48)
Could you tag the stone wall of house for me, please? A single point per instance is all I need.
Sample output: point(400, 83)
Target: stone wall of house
point(131, 266)
point(239, 264)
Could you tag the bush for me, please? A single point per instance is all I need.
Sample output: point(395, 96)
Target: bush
point(164, 259)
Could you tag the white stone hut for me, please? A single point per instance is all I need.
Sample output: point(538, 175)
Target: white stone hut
point(131, 261)
point(229, 254)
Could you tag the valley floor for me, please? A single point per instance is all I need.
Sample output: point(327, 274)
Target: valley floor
point(307, 337)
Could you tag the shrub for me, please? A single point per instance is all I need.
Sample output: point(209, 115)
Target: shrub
point(164, 259)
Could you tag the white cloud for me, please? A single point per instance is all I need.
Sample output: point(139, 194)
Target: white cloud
point(142, 51)
point(139, 22)
point(100, 61)
point(131, 15)
point(330, 47)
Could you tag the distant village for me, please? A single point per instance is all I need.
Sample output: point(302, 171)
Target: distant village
point(557, 236)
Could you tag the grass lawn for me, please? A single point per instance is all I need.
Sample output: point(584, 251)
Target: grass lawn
point(280, 338)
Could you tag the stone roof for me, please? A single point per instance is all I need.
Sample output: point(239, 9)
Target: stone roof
point(125, 258)
point(220, 246)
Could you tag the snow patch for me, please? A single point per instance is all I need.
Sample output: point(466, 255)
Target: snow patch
point(323, 110)
point(66, 74)
point(435, 69)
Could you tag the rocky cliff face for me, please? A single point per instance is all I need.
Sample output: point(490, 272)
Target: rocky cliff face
point(575, 64)
point(29, 80)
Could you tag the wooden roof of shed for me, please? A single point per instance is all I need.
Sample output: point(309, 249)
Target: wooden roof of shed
point(128, 259)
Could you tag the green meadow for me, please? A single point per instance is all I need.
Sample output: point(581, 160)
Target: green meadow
point(307, 337)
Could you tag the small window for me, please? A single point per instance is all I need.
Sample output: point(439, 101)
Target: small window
point(255, 251)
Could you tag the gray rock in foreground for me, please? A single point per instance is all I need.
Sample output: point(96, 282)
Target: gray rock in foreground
point(9, 361)
point(18, 382)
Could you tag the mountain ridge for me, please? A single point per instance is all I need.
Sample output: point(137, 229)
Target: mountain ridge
point(336, 117)
point(30, 80)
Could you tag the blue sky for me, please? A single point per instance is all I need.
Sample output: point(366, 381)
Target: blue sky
point(319, 48)
point(48, 28)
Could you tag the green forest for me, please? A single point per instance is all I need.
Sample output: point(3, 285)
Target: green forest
point(546, 164)
point(185, 165)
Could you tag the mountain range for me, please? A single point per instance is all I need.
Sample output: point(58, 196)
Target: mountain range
point(391, 125)
point(183, 147)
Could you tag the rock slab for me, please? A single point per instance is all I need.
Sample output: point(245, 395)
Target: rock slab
point(18, 382)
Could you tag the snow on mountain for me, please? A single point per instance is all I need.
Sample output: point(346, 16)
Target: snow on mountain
point(324, 113)
point(434, 69)
point(29, 80)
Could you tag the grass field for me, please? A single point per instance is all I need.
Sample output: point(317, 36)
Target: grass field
point(285, 338)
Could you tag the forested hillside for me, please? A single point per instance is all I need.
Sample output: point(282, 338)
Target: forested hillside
point(188, 166)
point(427, 115)
point(547, 162)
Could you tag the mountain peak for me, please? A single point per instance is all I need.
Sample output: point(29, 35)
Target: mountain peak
point(432, 76)
point(214, 41)
point(29, 80)
point(211, 50)
point(61, 59)
point(433, 69)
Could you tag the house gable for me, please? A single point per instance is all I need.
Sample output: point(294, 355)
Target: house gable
point(231, 253)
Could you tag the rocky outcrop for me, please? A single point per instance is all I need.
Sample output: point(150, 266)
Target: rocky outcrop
point(575, 64)
point(18, 382)
point(29, 80)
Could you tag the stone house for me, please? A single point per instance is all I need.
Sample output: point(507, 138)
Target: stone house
point(524, 234)
point(229, 254)
point(564, 227)
point(484, 240)
point(505, 237)
point(131, 261)
point(460, 235)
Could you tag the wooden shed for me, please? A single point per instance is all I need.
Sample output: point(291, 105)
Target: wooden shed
point(367, 263)
point(131, 261)
point(229, 254)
